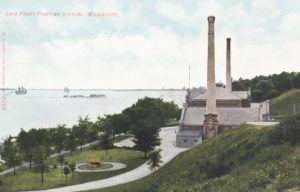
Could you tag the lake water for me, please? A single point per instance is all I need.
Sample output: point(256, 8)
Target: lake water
point(47, 108)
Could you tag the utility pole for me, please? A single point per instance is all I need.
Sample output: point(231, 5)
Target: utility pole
point(189, 77)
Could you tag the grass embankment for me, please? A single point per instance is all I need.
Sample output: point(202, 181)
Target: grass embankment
point(283, 104)
point(242, 158)
point(26, 179)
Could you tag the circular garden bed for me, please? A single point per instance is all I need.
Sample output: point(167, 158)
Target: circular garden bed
point(99, 166)
point(93, 166)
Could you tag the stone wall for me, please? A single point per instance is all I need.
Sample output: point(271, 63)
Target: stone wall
point(188, 137)
point(220, 103)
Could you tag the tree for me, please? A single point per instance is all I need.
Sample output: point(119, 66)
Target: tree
point(257, 95)
point(72, 168)
point(71, 142)
point(155, 159)
point(26, 142)
point(297, 80)
point(264, 87)
point(67, 171)
point(241, 84)
point(11, 153)
point(145, 121)
point(99, 124)
point(146, 117)
point(61, 160)
point(118, 123)
point(115, 124)
point(257, 79)
point(106, 140)
point(29, 141)
point(40, 156)
point(272, 93)
point(124, 123)
point(282, 82)
point(292, 77)
point(108, 125)
point(81, 130)
point(93, 132)
point(146, 135)
point(59, 137)
point(169, 110)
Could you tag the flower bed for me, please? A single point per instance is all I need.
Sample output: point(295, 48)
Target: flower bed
point(95, 165)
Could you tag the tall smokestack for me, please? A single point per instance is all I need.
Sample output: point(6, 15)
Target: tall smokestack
point(228, 66)
point(210, 124)
point(211, 82)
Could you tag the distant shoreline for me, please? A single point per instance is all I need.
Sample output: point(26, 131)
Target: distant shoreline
point(104, 89)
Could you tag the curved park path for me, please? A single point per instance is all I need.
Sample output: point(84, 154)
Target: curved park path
point(169, 151)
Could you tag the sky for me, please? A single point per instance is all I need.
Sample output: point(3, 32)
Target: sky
point(146, 44)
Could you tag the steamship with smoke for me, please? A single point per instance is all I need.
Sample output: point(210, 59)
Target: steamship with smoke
point(21, 91)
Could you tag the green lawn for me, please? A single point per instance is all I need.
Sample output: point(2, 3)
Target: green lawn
point(239, 159)
point(26, 179)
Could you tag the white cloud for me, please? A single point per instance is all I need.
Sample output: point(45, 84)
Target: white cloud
point(264, 10)
point(237, 11)
point(76, 7)
point(289, 40)
point(158, 56)
point(50, 25)
point(210, 7)
point(176, 12)
point(288, 28)
point(108, 6)
point(103, 62)
point(13, 25)
point(171, 10)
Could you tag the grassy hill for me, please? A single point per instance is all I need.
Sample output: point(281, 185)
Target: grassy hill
point(283, 104)
point(243, 158)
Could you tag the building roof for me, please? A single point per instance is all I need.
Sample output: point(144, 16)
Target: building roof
point(195, 92)
point(221, 94)
point(226, 116)
point(241, 94)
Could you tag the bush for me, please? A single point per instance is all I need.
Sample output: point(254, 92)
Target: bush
point(215, 169)
point(287, 131)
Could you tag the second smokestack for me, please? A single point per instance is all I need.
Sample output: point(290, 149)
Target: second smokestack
point(228, 66)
